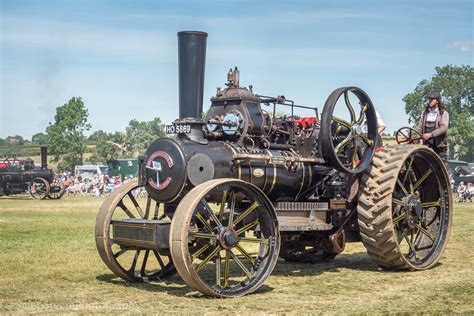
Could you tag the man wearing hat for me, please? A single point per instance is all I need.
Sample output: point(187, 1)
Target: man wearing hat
point(433, 125)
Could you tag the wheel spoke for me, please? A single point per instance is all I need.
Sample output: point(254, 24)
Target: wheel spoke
point(425, 232)
point(148, 206)
point(208, 258)
point(135, 203)
point(402, 187)
point(398, 218)
point(232, 209)
point(202, 235)
point(349, 107)
point(430, 204)
point(158, 258)
point(366, 139)
point(200, 251)
point(240, 264)
point(218, 269)
point(255, 240)
point(246, 212)
point(211, 213)
point(134, 262)
point(245, 253)
point(344, 143)
point(420, 181)
point(412, 248)
point(145, 260)
point(397, 202)
point(125, 209)
point(120, 252)
point(354, 154)
point(342, 122)
point(222, 206)
point(363, 108)
point(408, 170)
point(227, 269)
point(247, 227)
point(203, 221)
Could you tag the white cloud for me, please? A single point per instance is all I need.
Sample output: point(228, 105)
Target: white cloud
point(463, 46)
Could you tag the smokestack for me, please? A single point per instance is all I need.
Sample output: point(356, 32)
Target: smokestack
point(44, 157)
point(191, 65)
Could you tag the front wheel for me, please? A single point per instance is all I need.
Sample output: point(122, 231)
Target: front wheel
point(225, 238)
point(39, 188)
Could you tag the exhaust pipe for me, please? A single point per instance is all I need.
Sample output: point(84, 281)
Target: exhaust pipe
point(44, 157)
point(191, 66)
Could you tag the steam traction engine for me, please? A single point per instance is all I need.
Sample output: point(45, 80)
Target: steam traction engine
point(234, 191)
point(19, 176)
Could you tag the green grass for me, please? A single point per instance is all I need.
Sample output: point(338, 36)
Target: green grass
point(49, 263)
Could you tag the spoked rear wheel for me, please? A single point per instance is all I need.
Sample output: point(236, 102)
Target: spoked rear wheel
point(405, 208)
point(131, 264)
point(57, 189)
point(225, 238)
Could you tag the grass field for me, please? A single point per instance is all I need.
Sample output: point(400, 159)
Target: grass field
point(49, 263)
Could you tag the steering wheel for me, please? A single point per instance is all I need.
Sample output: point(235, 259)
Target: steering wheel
point(408, 135)
point(348, 145)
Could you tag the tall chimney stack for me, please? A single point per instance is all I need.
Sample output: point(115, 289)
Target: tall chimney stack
point(44, 157)
point(191, 65)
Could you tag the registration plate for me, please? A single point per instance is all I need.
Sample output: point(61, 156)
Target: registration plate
point(178, 129)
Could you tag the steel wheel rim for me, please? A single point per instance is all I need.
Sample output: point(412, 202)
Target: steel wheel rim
point(421, 237)
point(136, 270)
point(214, 265)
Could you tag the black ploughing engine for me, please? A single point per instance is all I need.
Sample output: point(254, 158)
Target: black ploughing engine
point(18, 176)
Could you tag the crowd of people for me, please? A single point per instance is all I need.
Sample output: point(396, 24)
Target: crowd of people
point(97, 185)
point(465, 192)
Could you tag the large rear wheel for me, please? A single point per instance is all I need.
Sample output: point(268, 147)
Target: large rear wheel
point(405, 208)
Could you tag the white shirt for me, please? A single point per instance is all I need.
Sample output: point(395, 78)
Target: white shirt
point(380, 122)
point(432, 115)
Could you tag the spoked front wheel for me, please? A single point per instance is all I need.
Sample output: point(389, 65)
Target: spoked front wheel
point(39, 188)
point(130, 263)
point(225, 238)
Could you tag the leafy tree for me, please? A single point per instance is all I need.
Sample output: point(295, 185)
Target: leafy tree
point(16, 140)
point(66, 134)
point(456, 84)
point(2, 142)
point(97, 135)
point(39, 139)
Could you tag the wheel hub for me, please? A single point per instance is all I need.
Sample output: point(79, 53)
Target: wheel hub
point(357, 129)
point(413, 210)
point(228, 238)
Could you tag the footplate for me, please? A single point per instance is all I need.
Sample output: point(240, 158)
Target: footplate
point(142, 233)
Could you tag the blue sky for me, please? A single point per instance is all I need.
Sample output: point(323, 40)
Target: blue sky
point(121, 56)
